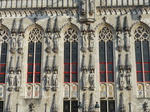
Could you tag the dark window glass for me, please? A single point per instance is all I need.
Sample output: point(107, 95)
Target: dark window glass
point(4, 48)
point(138, 51)
point(139, 77)
point(67, 77)
point(67, 67)
point(74, 77)
point(30, 78)
point(102, 51)
point(145, 51)
point(102, 67)
point(66, 106)
point(147, 76)
point(3, 58)
point(74, 106)
point(110, 67)
point(30, 68)
point(2, 78)
point(74, 52)
point(66, 52)
point(111, 104)
point(74, 67)
point(103, 77)
point(2, 68)
point(30, 52)
point(37, 78)
point(38, 68)
point(103, 106)
point(1, 106)
point(146, 67)
point(109, 51)
point(110, 77)
point(139, 66)
point(38, 52)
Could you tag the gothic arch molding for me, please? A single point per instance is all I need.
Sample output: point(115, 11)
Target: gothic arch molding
point(5, 28)
point(137, 24)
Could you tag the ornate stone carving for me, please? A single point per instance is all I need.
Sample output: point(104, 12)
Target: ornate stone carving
point(121, 73)
point(11, 75)
point(49, 42)
point(83, 4)
point(55, 82)
point(36, 91)
point(122, 105)
point(127, 41)
point(20, 43)
point(48, 80)
point(145, 107)
point(84, 78)
point(91, 38)
point(92, 81)
point(13, 43)
point(121, 81)
point(31, 107)
point(55, 42)
point(84, 39)
point(140, 90)
point(91, 7)
point(18, 80)
point(54, 104)
point(120, 41)
point(128, 70)
point(91, 106)
point(29, 90)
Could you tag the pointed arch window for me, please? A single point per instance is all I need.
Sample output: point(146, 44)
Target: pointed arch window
point(141, 36)
point(3, 56)
point(106, 55)
point(34, 56)
point(71, 56)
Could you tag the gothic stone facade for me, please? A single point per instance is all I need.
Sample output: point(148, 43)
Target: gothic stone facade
point(75, 55)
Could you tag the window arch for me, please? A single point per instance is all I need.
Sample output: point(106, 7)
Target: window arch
point(106, 55)
point(107, 100)
point(3, 54)
point(71, 56)
point(142, 56)
point(34, 56)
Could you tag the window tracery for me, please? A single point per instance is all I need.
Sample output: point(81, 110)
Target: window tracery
point(3, 54)
point(106, 69)
point(142, 56)
point(34, 56)
point(71, 56)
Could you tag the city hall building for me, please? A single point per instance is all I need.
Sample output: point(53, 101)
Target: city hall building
point(75, 56)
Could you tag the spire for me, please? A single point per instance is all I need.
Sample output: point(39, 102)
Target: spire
point(21, 29)
point(56, 28)
point(118, 28)
point(126, 27)
point(14, 29)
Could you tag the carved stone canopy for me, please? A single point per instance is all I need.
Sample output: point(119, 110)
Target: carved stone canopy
point(84, 69)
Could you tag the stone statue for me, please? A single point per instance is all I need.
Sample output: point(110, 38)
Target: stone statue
point(127, 41)
point(55, 80)
point(20, 41)
point(91, 42)
point(120, 41)
point(128, 78)
point(83, 3)
point(18, 81)
point(13, 43)
point(91, 7)
point(92, 81)
point(10, 80)
point(47, 80)
point(49, 43)
point(56, 40)
point(121, 81)
point(85, 78)
point(84, 42)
